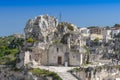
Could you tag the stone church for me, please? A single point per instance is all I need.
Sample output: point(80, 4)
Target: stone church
point(61, 55)
point(53, 44)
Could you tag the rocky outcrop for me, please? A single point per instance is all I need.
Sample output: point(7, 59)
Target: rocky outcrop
point(72, 36)
point(8, 74)
point(45, 29)
point(65, 27)
point(40, 27)
point(43, 32)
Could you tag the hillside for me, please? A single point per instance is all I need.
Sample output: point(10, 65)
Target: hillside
point(9, 48)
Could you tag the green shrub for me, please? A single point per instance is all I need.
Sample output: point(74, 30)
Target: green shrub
point(57, 41)
point(76, 69)
point(9, 48)
point(54, 75)
point(96, 39)
point(43, 72)
point(1, 55)
point(118, 67)
point(62, 24)
point(70, 27)
point(36, 71)
point(87, 49)
point(3, 47)
point(30, 40)
point(84, 64)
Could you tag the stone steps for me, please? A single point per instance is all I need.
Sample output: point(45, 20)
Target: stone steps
point(66, 76)
point(61, 71)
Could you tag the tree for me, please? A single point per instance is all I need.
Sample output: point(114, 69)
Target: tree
point(117, 25)
point(107, 27)
point(9, 48)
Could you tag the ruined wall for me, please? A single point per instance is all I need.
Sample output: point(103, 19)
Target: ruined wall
point(74, 58)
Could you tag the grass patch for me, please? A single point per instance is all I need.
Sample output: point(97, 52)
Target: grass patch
point(57, 41)
point(76, 69)
point(42, 72)
point(85, 64)
point(118, 67)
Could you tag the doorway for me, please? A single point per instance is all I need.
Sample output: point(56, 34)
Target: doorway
point(59, 60)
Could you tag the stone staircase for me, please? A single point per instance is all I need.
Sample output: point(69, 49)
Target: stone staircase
point(61, 71)
point(66, 76)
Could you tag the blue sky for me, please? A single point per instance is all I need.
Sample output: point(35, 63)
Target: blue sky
point(83, 13)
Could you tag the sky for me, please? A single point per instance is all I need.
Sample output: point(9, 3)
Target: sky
point(83, 13)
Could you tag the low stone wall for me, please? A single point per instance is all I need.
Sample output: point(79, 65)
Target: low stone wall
point(96, 73)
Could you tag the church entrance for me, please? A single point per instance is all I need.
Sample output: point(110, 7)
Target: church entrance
point(59, 60)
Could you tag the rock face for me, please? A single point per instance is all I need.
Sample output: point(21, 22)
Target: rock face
point(8, 74)
point(40, 27)
point(65, 27)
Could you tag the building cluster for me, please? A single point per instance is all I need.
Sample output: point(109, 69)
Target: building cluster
point(103, 33)
point(66, 44)
point(103, 40)
point(48, 42)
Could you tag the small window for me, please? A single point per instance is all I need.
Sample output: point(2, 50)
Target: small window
point(73, 56)
point(57, 49)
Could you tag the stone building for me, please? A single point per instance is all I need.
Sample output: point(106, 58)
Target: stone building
point(85, 32)
point(107, 35)
point(60, 54)
point(96, 30)
point(57, 54)
point(69, 52)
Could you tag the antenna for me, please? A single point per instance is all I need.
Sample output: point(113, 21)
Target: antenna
point(60, 17)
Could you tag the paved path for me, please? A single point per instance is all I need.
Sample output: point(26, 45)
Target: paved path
point(61, 71)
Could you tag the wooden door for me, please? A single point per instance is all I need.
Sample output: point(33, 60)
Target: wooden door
point(59, 60)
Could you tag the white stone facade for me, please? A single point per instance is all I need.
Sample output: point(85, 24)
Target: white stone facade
point(115, 32)
point(60, 54)
point(85, 32)
point(107, 35)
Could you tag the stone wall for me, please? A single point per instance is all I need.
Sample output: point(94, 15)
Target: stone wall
point(61, 50)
